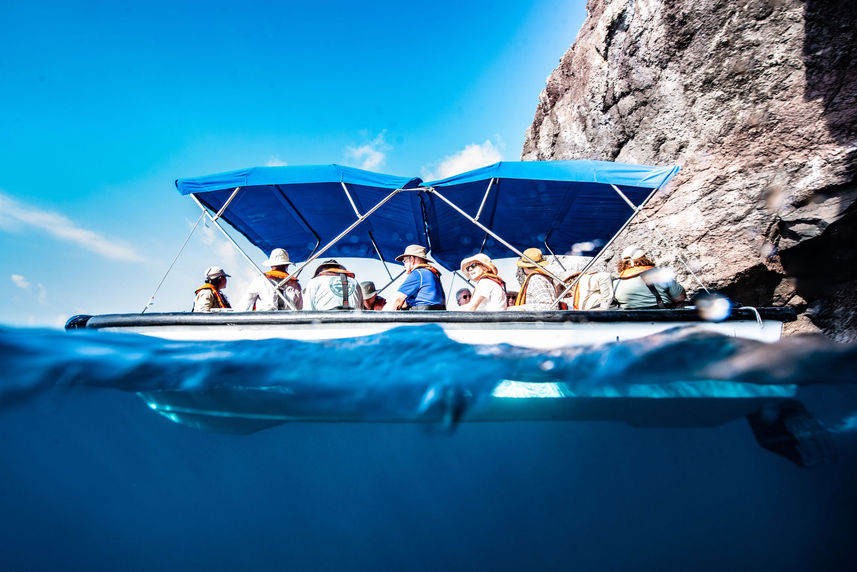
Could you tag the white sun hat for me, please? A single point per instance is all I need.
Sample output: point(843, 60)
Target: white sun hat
point(279, 257)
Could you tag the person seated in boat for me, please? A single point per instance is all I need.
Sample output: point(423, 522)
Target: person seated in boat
point(642, 285)
point(210, 295)
point(274, 290)
point(511, 296)
point(592, 291)
point(537, 287)
point(463, 296)
point(334, 288)
point(422, 289)
point(490, 292)
point(371, 300)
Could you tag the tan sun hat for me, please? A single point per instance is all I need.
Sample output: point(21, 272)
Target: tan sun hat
point(279, 257)
point(368, 289)
point(534, 254)
point(414, 250)
point(633, 252)
point(215, 272)
point(481, 259)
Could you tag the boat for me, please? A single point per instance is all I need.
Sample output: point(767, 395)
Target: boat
point(499, 210)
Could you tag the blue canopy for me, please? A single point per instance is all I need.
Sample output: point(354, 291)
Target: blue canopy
point(300, 208)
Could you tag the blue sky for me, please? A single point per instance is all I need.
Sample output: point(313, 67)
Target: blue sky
point(103, 105)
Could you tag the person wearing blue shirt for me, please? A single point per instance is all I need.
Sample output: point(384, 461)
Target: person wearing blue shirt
point(422, 289)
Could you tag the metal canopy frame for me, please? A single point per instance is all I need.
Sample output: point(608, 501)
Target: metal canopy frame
point(317, 252)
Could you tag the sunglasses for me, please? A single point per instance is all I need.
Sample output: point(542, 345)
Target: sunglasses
point(471, 266)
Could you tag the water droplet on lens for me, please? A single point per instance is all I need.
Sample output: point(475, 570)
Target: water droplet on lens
point(713, 307)
point(547, 365)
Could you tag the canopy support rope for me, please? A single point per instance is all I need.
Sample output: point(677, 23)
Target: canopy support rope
point(239, 249)
point(176, 257)
point(662, 237)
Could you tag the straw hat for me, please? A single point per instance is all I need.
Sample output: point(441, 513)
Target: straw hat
point(633, 252)
point(215, 272)
point(279, 257)
point(481, 259)
point(536, 255)
point(368, 289)
point(414, 250)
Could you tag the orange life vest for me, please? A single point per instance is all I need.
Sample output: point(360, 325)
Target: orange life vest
point(522, 295)
point(221, 300)
point(633, 271)
point(575, 292)
point(493, 278)
point(280, 276)
point(428, 267)
point(336, 272)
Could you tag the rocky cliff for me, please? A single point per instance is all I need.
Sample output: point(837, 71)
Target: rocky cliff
point(757, 102)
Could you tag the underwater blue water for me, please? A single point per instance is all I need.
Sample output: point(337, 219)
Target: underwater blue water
point(93, 479)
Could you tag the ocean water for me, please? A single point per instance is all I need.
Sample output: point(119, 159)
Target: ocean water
point(97, 475)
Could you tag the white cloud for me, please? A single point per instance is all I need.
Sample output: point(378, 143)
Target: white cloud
point(371, 155)
point(471, 157)
point(39, 292)
point(274, 161)
point(16, 214)
point(22, 282)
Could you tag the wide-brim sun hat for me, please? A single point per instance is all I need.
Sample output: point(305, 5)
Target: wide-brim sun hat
point(279, 257)
point(215, 272)
point(368, 289)
point(414, 250)
point(533, 254)
point(479, 258)
point(633, 252)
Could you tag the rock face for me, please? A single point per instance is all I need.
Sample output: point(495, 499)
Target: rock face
point(757, 102)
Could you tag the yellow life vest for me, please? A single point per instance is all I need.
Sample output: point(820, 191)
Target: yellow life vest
point(522, 295)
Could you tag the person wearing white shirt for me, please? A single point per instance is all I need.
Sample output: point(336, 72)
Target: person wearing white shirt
point(274, 290)
point(489, 295)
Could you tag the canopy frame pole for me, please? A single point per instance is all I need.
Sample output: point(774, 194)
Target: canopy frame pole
point(637, 210)
point(351, 227)
point(662, 237)
point(484, 199)
point(552, 253)
point(350, 200)
point(239, 249)
point(371, 237)
point(387, 285)
point(169, 269)
point(226, 204)
point(496, 237)
point(284, 199)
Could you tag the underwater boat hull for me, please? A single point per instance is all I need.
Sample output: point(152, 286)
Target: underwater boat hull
point(772, 410)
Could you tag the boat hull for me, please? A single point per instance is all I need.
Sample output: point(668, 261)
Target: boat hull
point(536, 330)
